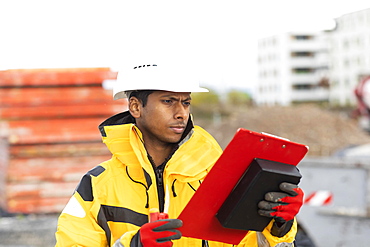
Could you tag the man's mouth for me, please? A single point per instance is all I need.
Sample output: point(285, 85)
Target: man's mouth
point(178, 129)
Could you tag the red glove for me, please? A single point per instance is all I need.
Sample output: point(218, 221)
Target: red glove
point(160, 233)
point(282, 206)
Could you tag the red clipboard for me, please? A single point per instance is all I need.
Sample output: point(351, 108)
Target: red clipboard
point(199, 220)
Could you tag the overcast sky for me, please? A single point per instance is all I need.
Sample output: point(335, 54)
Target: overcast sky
point(217, 37)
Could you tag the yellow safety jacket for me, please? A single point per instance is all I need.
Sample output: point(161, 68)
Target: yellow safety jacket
point(113, 200)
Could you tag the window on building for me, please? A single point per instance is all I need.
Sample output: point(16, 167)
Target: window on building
point(302, 54)
point(302, 70)
point(347, 82)
point(272, 42)
point(359, 61)
point(346, 63)
point(358, 41)
point(360, 20)
point(345, 44)
point(302, 86)
point(334, 83)
point(302, 37)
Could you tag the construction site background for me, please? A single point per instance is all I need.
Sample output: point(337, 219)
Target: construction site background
point(324, 130)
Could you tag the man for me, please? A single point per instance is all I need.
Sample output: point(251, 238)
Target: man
point(159, 159)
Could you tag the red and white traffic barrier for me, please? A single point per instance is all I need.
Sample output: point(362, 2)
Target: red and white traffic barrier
point(319, 198)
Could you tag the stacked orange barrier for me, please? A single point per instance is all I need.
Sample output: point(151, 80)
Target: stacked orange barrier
point(49, 134)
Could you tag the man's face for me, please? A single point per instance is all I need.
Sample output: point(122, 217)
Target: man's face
point(164, 117)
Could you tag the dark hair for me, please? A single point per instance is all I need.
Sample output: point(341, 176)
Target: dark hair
point(141, 95)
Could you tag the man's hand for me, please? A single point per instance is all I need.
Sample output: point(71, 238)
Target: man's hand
point(282, 206)
point(160, 233)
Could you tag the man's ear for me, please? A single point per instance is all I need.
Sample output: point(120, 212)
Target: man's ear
point(134, 106)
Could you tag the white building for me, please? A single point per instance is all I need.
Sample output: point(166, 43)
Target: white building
point(292, 67)
point(349, 49)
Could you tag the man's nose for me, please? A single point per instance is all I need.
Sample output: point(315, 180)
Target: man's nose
point(181, 112)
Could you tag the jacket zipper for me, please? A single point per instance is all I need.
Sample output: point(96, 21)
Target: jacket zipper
point(158, 171)
point(159, 177)
point(160, 188)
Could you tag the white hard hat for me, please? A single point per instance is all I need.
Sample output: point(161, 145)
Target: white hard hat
point(155, 77)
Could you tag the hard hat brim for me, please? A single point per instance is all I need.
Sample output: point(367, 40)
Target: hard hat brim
point(162, 78)
point(123, 94)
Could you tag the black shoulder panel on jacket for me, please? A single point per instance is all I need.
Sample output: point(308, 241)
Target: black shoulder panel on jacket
point(84, 188)
point(96, 171)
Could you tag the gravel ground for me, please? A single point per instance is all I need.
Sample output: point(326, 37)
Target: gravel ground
point(28, 231)
point(324, 131)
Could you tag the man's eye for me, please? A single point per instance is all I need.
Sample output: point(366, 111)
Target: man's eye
point(167, 101)
point(187, 103)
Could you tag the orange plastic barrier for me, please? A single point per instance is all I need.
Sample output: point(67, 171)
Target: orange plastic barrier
point(49, 134)
point(55, 77)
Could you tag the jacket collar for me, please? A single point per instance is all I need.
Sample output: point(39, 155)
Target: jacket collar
point(198, 147)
